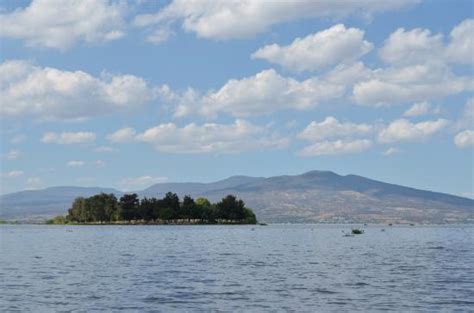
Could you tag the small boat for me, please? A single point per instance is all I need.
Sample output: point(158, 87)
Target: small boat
point(263, 224)
point(357, 231)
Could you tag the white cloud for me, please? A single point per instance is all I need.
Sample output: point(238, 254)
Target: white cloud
point(135, 183)
point(34, 183)
point(419, 67)
point(13, 154)
point(417, 109)
point(122, 135)
point(411, 47)
point(319, 50)
point(75, 163)
point(332, 128)
point(391, 151)
point(61, 24)
point(341, 137)
point(243, 19)
point(467, 118)
point(262, 93)
point(464, 139)
point(66, 138)
point(159, 35)
point(413, 83)
point(348, 74)
point(336, 147)
point(211, 138)
point(419, 45)
point(49, 93)
point(12, 174)
point(461, 47)
point(404, 130)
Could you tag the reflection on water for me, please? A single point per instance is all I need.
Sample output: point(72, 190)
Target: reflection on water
point(244, 268)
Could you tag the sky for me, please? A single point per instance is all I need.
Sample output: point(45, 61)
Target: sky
point(126, 94)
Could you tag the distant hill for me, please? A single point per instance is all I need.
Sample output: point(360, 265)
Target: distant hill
point(44, 203)
point(316, 196)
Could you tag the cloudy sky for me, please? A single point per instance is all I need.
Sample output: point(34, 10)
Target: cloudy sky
point(128, 93)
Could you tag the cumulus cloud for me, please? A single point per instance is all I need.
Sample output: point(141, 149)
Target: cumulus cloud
point(12, 174)
point(66, 138)
point(49, 93)
point(211, 138)
point(75, 163)
point(243, 19)
point(336, 147)
point(404, 130)
point(419, 67)
point(331, 137)
point(332, 128)
point(61, 24)
point(337, 44)
point(418, 45)
point(461, 47)
point(412, 83)
point(409, 47)
point(122, 135)
point(464, 139)
point(262, 93)
point(134, 183)
point(417, 109)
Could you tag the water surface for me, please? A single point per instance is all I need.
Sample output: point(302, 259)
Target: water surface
point(300, 268)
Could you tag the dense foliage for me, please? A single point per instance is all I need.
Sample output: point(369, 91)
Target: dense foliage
point(106, 208)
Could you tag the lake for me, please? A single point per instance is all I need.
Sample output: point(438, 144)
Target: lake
point(300, 268)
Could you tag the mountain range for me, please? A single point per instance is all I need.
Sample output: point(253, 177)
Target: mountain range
point(315, 196)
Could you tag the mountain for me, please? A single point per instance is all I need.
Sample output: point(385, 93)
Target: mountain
point(40, 204)
point(316, 196)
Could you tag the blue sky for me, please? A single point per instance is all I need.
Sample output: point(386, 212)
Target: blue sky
point(125, 94)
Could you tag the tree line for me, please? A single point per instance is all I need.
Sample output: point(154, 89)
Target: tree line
point(106, 208)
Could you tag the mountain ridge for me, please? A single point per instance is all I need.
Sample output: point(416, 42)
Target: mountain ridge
point(314, 196)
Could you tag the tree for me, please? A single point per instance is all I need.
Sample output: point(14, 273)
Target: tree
point(188, 208)
point(230, 208)
point(128, 206)
point(205, 210)
point(76, 212)
point(146, 210)
point(171, 201)
point(105, 208)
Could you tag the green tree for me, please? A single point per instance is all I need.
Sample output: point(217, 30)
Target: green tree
point(146, 210)
point(188, 208)
point(76, 212)
point(171, 201)
point(128, 207)
point(231, 209)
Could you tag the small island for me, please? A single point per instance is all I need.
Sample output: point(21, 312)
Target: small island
point(130, 209)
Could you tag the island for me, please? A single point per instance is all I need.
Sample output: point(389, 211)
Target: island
point(130, 209)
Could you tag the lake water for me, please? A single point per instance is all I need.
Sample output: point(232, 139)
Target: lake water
point(300, 268)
